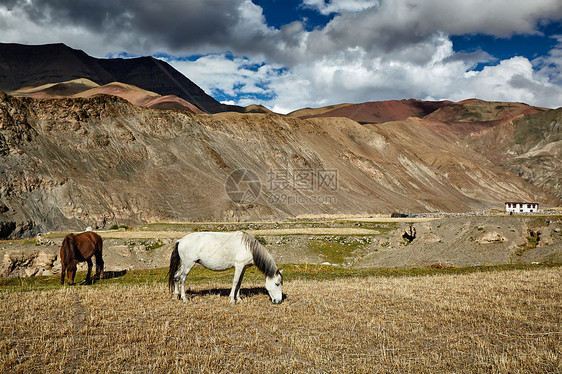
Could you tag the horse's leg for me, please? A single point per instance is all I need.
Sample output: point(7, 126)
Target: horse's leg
point(239, 285)
point(99, 266)
point(62, 271)
point(236, 282)
point(181, 274)
point(90, 265)
point(99, 260)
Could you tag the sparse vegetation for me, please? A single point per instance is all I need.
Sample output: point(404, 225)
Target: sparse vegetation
point(117, 227)
point(336, 249)
point(533, 239)
point(492, 321)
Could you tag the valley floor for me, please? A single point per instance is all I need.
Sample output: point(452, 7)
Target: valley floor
point(357, 242)
point(494, 321)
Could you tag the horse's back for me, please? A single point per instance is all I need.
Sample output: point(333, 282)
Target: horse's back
point(204, 238)
point(214, 250)
point(91, 236)
point(89, 243)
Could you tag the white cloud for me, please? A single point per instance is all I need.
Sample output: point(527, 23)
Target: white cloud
point(339, 6)
point(550, 66)
point(222, 74)
point(511, 80)
point(370, 50)
point(352, 76)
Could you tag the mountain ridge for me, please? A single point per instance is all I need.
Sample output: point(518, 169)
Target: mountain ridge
point(100, 161)
point(85, 88)
point(34, 65)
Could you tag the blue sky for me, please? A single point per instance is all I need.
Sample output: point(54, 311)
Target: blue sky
point(530, 46)
point(290, 54)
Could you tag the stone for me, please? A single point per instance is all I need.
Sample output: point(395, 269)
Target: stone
point(45, 259)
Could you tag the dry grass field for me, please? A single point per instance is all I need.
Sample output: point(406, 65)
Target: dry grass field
point(493, 321)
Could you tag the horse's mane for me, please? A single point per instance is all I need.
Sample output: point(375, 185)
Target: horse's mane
point(68, 248)
point(262, 258)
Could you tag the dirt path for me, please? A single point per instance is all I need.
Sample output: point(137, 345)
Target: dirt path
point(314, 231)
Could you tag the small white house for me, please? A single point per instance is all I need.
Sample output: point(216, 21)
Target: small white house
point(511, 207)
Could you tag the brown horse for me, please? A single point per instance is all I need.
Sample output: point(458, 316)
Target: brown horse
point(78, 248)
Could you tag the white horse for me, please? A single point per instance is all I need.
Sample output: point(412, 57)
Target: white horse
point(221, 251)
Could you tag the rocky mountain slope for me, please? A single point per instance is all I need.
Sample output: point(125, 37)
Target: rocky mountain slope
point(100, 161)
point(529, 146)
point(522, 139)
point(35, 65)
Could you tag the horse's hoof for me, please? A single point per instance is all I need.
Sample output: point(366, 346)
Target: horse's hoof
point(232, 301)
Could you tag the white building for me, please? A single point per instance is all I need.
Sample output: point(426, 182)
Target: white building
point(512, 207)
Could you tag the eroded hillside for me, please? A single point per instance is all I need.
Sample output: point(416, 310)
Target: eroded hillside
point(71, 163)
point(529, 146)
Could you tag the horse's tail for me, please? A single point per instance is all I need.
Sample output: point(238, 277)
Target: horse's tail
point(174, 266)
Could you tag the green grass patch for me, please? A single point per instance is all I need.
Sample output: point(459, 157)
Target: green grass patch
point(200, 275)
point(329, 272)
point(336, 249)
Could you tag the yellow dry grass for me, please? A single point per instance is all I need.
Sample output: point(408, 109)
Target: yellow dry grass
point(138, 234)
point(383, 218)
point(314, 231)
point(501, 322)
point(390, 220)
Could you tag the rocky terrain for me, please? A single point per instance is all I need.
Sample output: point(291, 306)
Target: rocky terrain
point(455, 241)
point(72, 163)
point(374, 112)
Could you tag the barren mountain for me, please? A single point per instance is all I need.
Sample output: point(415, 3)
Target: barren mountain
point(55, 90)
point(520, 138)
point(100, 161)
point(86, 88)
point(374, 112)
point(529, 146)
point(36, 65)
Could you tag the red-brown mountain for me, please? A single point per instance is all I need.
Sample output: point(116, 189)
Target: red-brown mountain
point(374, 111)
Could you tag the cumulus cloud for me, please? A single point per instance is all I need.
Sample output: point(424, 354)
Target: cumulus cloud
point(550, 66)
point(368, 50)
point(146, 26)
point(226, 75)
point(339, 6)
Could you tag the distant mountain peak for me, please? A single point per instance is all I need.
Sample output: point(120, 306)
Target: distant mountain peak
point(36, 65)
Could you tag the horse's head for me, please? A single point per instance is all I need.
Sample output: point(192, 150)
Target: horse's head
point(67, 258)
point(274, 285)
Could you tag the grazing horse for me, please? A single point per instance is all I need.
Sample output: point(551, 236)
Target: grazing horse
point(78, 248)
point(221, 251)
